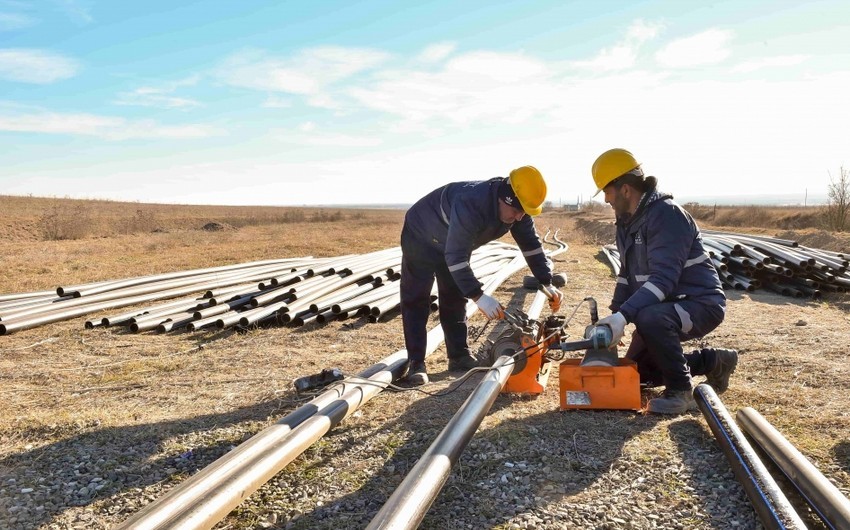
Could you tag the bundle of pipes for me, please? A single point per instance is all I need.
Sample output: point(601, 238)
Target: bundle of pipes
point(748, 262)
point(292, 291)
point(29, 310)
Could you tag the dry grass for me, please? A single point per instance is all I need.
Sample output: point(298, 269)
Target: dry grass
point(150, 398)
point(773, 217)
point(51, 219)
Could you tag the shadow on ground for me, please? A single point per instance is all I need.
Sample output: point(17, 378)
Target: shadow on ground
point(84, 468)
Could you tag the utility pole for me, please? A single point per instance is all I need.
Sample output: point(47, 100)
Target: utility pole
point(806, 198)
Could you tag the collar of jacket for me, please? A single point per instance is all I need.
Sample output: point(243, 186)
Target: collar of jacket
point(646, 200)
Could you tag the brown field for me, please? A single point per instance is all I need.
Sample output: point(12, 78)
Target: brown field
point(142, 412)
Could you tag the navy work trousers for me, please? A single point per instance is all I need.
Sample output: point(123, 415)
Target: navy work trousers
point(656, 344)
point(420, 264)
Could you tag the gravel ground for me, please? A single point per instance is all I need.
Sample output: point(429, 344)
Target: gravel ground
point(98, 453)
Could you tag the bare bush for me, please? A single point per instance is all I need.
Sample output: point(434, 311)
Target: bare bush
point(595, 207)
point(744, 216)
point(65, 221)
point(838, 201)
point(142, 221)
point(699, 211)
point(322, 216)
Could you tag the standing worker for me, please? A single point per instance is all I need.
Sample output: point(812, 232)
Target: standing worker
point(667, 286)
point(440, 232)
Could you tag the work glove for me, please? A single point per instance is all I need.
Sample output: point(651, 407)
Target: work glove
point(617, 322)
point(554, 295)
point(491, 308)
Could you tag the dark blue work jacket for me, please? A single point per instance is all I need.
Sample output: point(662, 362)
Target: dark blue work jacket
point(459, 217)
point(662, 258)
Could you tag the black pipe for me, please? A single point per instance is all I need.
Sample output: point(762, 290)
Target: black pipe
point(771, 505)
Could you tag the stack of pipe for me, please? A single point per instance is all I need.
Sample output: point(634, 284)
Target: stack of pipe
point(29, 310)
point(748, 262)
point(290, 291)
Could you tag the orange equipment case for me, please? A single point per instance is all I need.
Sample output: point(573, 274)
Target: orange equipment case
point(599, 387)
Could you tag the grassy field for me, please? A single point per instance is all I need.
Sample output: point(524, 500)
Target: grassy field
point(140, 413)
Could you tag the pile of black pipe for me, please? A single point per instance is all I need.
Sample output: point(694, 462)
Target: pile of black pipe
point(749, 262)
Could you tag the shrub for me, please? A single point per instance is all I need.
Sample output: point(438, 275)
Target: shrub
point(65, 221)
point(838, 201)
point(595, 207)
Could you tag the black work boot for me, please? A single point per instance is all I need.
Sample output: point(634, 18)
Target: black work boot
point(725, 362)
point(463, 364)
point(416, 374)
point(673, 402)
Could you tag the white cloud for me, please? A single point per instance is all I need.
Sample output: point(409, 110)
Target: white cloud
point(308, 134)
point(154, 97)
point(106, 127)
point(331, 140)
point(437, 52)
point(27, 65)
point(477, 86)
point(277, 102)
point(14, 21)
point(78, 11)
point(325, 101)
point(624, 54)
point(770, 62)
point(709, 47)
point(306, 73)
point(160, 96)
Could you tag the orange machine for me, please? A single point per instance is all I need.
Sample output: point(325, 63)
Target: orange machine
point(600, 380)
point(599, 387)
point(532, 339)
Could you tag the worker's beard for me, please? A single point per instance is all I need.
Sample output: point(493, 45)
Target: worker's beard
point(620, 204)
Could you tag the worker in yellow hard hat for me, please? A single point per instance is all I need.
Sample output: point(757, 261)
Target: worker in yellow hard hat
point(440, 232)
point(667, 286)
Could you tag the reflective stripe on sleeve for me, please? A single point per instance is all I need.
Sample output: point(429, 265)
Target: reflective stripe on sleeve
point(698, 259)
point(641, 277)
point(533, 252)
point(622, 280)
point(458, 266)
point(654, 290)
point(442, 211)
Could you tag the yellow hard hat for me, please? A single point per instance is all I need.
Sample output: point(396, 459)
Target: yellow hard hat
point(529, 187)
point(611, 164)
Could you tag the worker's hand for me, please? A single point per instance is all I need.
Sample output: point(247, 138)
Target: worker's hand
point(555, 297)
point(618, 326)
point(491, 308)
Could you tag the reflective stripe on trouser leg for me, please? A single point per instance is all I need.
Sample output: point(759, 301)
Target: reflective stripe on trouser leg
point(703, 320)
point(452, 307)
point(659, 326)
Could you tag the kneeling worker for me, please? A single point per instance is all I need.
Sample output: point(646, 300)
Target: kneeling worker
point(440, 232)
point(667, 286)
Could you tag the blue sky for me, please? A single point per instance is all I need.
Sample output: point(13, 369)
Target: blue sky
point(327, 102)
